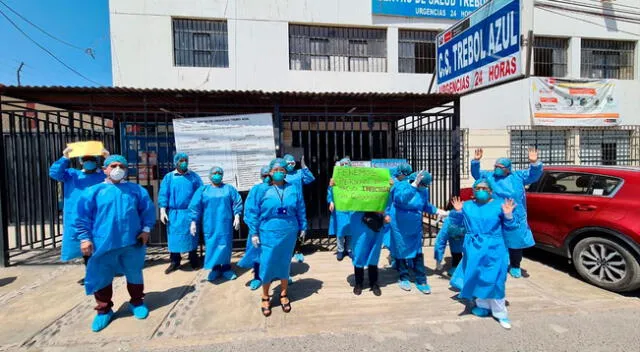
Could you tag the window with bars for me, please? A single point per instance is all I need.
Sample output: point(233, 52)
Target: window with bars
point(421, 146)
point(607, 59)
point(200, 43)
point(550, 56)
point(554, 146)
point(416, 51)
point(610, 146)
point(320, 48)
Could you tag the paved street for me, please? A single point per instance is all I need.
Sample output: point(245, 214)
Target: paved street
point(43, 309)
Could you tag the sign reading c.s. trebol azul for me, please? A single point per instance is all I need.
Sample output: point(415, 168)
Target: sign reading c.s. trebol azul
point(482, 49)
point(450, 9)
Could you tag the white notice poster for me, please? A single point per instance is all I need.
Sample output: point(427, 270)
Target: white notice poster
point(240, 144)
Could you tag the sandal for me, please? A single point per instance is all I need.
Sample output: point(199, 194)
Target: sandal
point(286, 307)
point(266, 311)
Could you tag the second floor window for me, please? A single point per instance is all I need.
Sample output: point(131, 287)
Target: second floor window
point(320, 48)
point(200, 43)
point(416, 51)
point(550, 57)
point(607, 59)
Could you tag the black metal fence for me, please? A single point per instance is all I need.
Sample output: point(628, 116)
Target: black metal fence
point(34, 138)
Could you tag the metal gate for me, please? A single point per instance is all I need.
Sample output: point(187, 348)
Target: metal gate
point(322, 128)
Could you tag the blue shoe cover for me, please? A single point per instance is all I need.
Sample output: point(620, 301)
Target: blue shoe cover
point(140, 312)
point(290, 280)
point(255, 284)
point(480, 312)
point(340, 256)
point(516, 273)
point(213, 275)
point(229, 275)
point(505, 323)
point(299, 257)
point(101, 321)
point(405, 285)
point(426, 289)
point(451, 271)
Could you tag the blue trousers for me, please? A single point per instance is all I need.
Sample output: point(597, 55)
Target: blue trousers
point(416, 265)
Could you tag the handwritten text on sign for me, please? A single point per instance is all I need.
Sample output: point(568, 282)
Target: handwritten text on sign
point(361, 189)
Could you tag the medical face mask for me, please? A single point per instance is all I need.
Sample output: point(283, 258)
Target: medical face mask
point(482, 195)
point(183, 166)
point(290, 167)
point(500, 172)
point(278, 176)
point(266, 179)
point(117, 174)
point(89, 165)
point(216, 179)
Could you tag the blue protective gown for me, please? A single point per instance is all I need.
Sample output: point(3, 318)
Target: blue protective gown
point(279, 215)
point(483, 270)
point(365, 243)
point(339, 220)
point(452, 234)
point(251, 254)
point(300, 178)
point(216, 207)
point(386, 236)
point(512, 186)
point(75, 182)
point(176, 191)
point(112, 216)
point(407, 204)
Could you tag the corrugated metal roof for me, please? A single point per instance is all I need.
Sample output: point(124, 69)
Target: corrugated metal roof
point(133, 90)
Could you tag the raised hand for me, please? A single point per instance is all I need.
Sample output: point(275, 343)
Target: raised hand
point(508, 206)
point(478, 154)
point(533, 155)
point(67, 151)
point(457, 203)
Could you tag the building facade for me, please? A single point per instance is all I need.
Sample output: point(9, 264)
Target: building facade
point(342, 46)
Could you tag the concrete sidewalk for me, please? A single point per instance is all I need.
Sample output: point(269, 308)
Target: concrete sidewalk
point(43, 308)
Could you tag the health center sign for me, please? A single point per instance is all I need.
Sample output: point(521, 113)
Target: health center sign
point(449, 9)
point(482, 49)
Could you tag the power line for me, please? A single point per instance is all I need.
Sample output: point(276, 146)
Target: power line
point(584, 20)
point(88, 51)
point(47, 50)
point(595, 7)
point(619, 5)
point(577, 10)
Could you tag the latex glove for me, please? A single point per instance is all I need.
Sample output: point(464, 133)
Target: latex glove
point(439, 266)
point(163, 216)
point(236, 222)
point(332, 207)
point(442, 214)
point(87, 248)
point(302, 164)
point(255, 241)
point(419, 178)
point(193, 228)
point(302, 235)
point(105, 153)
point(66, 152)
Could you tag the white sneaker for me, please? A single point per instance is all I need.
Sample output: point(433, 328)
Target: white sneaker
point(505, 323)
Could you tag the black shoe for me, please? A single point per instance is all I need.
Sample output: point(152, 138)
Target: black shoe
point(357, 290)
point(194, 266)
point(172, 267)
point(376, 290)
point(81, 282)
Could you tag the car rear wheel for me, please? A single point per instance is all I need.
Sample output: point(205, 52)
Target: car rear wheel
point(606, 264)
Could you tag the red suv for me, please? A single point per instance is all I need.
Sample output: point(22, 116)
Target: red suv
point(590, 215)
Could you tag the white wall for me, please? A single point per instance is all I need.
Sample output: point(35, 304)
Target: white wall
point(259, 55)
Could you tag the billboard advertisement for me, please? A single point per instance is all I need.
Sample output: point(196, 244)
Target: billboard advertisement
point(447, 9)
point(560, 102)
point(481, 50)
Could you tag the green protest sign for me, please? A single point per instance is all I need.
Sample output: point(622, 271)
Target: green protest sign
point(360, 188)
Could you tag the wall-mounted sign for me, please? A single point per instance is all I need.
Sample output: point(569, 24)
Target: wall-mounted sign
point(450, 9)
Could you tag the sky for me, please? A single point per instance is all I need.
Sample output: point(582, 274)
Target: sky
point(82, 24)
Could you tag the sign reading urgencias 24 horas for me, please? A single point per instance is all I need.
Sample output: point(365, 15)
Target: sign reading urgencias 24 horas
point(482, 49)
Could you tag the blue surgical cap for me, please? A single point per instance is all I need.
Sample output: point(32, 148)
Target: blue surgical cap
point(405, 169)
point(265, 170)
point(412, 177)
point(277, 162)
point(426, 178)
point(215, 169)
point(506, 162)
point(288, 158)
point(115, 158)
point(482, 181)
point(179, 156)
point(345, 161)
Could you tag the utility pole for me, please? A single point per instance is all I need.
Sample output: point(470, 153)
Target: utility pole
point(18, 72)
